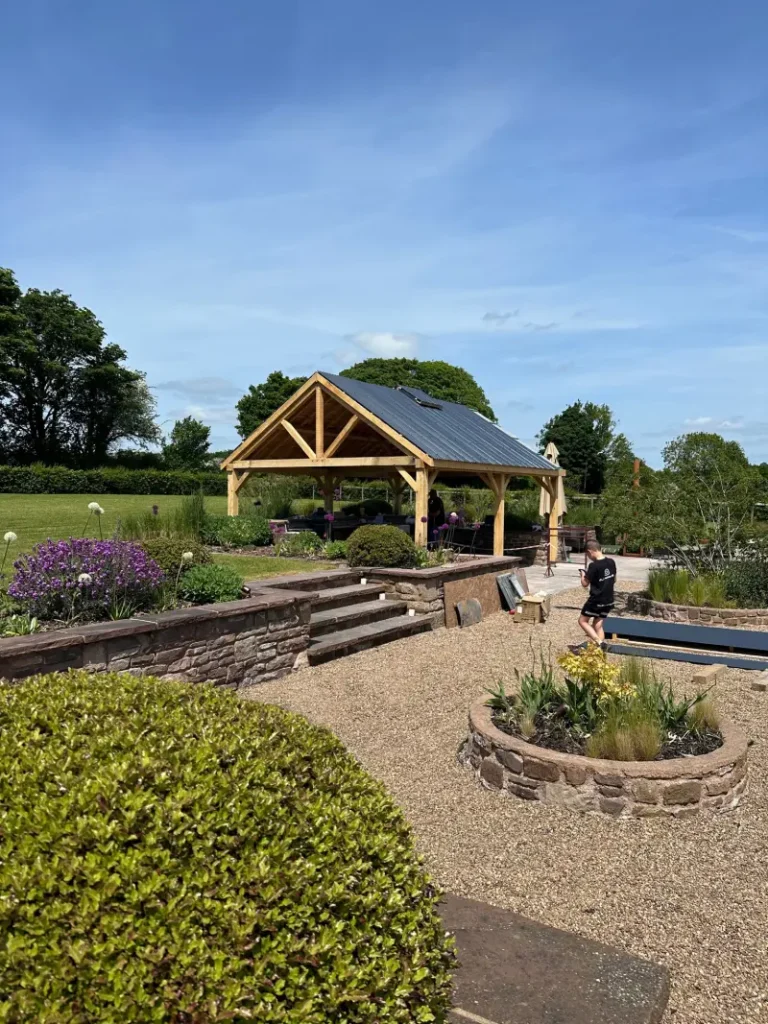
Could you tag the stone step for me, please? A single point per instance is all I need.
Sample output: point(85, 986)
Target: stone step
point(516, 971)
point(361, 638)
point(338, 597)
point(336, 620)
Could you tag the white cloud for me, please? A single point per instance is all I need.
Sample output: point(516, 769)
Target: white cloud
point(716, 424)
point(385, 343)
point(211, 388)
point(699, 421)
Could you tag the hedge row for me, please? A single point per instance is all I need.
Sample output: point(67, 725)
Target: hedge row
point(60, 480)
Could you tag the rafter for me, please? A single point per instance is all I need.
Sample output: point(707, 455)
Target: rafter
point(307, 448)
point(342, 435)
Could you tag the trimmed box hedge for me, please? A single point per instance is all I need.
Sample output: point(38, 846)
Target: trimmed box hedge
point(172, 853)
point(60, 480)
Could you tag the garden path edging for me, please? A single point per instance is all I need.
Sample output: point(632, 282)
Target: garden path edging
point(641, 604)
point(680, 787)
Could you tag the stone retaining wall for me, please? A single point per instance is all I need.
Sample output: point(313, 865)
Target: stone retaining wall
point(678, 788)
point(641, 604)
point(232, 644)
point(424, 590)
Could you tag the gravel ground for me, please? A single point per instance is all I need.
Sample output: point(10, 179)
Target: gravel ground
point(690, 894)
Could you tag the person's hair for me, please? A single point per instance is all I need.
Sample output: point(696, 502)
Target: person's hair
point(593, 545)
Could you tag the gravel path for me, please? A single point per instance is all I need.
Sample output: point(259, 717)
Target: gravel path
point(691, 894)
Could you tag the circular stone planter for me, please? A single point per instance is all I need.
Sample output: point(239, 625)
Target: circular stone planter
point(641, 604)
point(680, 788)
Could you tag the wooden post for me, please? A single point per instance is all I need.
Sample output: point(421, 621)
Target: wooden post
point(233, 502)
point(421, 529)
point(397, 486)
point(319, 423)
point(500, 482)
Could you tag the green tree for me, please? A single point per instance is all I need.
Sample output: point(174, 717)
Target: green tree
point(440, 380)
point(188, 444)
point(585, 436)
point(262, 400)
point(65, 395)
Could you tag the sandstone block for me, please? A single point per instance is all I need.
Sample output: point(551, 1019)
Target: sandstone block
point(523, 792)
point(612, 806)
point(612, 791)
point(492, 773)
point(575, 775)
point(510, 760)
point(645, 792)
point(686, 791)
point(708, 675)
point(541, 770)
point(609, 780)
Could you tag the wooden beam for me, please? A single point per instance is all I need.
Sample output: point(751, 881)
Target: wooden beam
point(478, 468)
point(289, 465)
point(375, 422)
point(233, 504)
point(500, 481)
point(240, 480)
point(319, 423)
point(304, 445)
point(342, 435)
point(410, 480)
point(421, 525)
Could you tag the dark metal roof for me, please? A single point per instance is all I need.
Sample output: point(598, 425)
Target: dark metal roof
point(451, 432)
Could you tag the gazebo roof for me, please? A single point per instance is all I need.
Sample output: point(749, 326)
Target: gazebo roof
point(442, 430)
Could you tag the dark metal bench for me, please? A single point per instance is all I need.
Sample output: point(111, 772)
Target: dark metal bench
point(676, 641)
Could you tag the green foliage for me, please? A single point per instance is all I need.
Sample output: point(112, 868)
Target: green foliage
point(538, 687)
point(186, 520)
point(385, 547)
point(209, 584)
point(335, 549)
point(629, 732)
point(659, 699)
point(65, 395)
point(580, 706)
point(679, 586)
point(581, 513)
point(262, 400)
point(304, 506)
point(187, 447)
point(237, 531)
point(167, 552)
point(38, 479)
point(18, 625)
point(745, 579)
point(296, 545)
point(434, 557)
point(440, 380)
point(275, 492)
point(172, 853)
point(585, 436)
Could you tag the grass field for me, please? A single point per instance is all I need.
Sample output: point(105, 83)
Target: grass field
point(35, 517)
point(253, 566)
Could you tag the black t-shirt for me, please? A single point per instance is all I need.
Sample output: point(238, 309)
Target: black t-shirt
point(601, 575)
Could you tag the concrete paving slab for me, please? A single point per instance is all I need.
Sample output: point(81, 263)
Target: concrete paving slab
point(516, 971)
point(566, 574)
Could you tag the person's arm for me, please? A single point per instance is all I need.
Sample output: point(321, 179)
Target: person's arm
point(585, 577)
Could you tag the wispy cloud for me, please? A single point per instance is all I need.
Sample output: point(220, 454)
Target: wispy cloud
point(386, 344)
point(499, 319)
point(201, 388)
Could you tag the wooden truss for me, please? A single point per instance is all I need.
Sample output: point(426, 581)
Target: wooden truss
point(323, 432)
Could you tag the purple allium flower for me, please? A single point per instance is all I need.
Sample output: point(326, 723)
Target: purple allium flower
point(476, 526)
point(155, 509)
point(50, 582)
point(424, 519)
point(445, 526)
point(329, 517)
point(454, 517)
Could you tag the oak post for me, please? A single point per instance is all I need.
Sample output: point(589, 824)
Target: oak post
point(421, 526)
point(233, 502)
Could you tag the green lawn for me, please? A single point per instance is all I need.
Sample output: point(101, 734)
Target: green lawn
point(254, 566)
point(35, 517)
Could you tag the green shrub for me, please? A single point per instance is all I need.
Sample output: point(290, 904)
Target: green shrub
point(167, 552)
point(375, 507)
point(209, 584)
point(746, 582)
point(237, 531)
point(172, 853)
point(296, 545)
point(39, 479)
point(276, 492)
point(304, 506)
point(627, 734)
point(185, 521)
point(384, 546)
point(335, 549)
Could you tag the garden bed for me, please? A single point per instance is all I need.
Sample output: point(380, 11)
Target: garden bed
point(680, 787)
point(641, 604)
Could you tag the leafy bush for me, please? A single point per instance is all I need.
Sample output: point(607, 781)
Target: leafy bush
point(746, 581)
point(375, 507)
point(172, 853)
point(186, 520)
point(39, 479)
point(680, 586)
point(167, 552)
point(386, 547)
point(209, 584)
point(581, 513)
point(335, 549)
point(304, 506)
point(85, 579)
point(298, 545)
point(237, 531)
point(276, 492)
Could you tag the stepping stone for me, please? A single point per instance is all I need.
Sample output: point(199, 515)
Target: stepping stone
point(516, 971)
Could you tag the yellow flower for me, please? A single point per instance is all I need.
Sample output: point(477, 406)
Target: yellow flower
point(591, 666)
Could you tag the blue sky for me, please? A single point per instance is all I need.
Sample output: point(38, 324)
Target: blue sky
point(569, 200)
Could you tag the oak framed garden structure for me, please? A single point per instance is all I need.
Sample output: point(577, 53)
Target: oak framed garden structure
point(335, 428)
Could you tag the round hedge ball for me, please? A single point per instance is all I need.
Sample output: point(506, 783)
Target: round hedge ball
point(384, 547)
point(171, 853)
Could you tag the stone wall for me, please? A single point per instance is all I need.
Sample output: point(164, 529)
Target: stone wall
point(232, 644)
point(678, 788)
point(641, 604)
point(424, 590)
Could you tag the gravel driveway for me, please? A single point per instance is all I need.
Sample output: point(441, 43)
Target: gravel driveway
point(691, 894)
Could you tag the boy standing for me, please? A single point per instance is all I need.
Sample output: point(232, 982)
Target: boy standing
point(600, 577)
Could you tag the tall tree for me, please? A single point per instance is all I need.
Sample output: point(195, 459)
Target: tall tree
point(586, 438)
point(65, 395)
point(440, 380)
point(262, 400)
point(187, 446)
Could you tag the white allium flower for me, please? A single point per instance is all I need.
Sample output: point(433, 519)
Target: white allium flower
point(98, 511)
point(10, 537)
point(85, 579)
point(187, 556)
point(93, 505)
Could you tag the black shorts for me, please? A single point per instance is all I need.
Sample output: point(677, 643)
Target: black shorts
point(596, 611)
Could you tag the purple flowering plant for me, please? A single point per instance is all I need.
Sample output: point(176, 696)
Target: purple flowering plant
point(84, 578)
